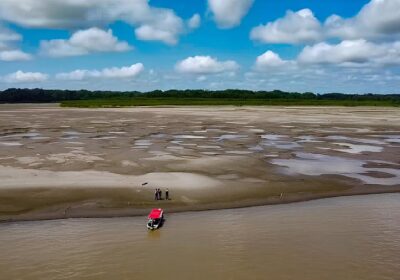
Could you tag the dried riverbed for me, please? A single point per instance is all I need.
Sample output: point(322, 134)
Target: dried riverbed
point(57, 162)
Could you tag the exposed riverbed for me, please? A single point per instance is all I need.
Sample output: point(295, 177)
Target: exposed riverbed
point(59, 163)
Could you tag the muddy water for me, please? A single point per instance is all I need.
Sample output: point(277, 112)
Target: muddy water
point(340, 238)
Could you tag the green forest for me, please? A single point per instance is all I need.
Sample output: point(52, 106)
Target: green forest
point(85, 98)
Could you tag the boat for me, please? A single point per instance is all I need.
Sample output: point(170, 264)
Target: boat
point(156, 218)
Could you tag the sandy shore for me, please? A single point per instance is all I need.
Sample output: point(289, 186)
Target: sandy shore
point(60, 163)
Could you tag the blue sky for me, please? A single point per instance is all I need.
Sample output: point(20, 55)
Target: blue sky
point(296, 45)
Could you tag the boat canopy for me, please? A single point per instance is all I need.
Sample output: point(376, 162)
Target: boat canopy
point(156, 214)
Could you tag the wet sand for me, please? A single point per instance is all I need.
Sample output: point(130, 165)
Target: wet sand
point(61, 163)
point(339, 238)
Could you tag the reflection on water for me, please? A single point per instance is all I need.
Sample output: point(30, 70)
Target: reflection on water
point(317, 164)
point(358, 149)
point(342, 238)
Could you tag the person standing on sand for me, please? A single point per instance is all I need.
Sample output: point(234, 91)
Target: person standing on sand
point(156, 194)
point(166, 194)
point(160, 191)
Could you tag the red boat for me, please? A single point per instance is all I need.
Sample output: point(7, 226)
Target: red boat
point(156, 218)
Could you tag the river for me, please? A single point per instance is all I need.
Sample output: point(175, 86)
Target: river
point(340, 238)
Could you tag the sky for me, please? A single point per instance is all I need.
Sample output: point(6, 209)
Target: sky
point(292, 45)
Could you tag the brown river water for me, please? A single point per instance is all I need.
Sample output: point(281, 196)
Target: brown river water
point(339, 238)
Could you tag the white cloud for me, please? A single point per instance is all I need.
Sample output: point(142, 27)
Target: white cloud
point(8, 52)
point(205, 65)
point(268, 60)
point(149, 33)
point(14, 55)
point(26, 77)
point(107, 73)
point(194, 22)
point(377, 19)
point(352, 52)
point(83, 14)
point(201, 78)
point(124, 72)
point(229, 13)
point(7, 35)
point(293, 28)
point(84, 42)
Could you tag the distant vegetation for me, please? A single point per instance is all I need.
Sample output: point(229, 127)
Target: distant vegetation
point(98, 103)
point(84, 98)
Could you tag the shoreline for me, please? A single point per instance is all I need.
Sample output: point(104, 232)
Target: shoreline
point(49, 214)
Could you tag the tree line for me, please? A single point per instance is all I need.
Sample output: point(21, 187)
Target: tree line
point(18, 95)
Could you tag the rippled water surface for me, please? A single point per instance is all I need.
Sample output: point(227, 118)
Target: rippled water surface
point(341, 238)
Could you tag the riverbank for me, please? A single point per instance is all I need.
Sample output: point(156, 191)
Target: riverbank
point(96, 209)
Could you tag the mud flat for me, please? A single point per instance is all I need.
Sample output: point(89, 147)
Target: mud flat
point(59, 163)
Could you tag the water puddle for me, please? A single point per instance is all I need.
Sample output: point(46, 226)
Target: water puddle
point(358, 149)
point(318, 164)
point(210, 153)
point(352, 129)
point(308, 139)
point(232, 137)
point(143, 142)
point(392, 138)
point(189, 137)
point(104, 137)
point(273, 137)
point(140, 147)
point(357, 140)
point(158, 135)
point(11, 144)
point(75, 143)
point(256, 130)
point(210, 147)
point(284, 145)
point(256, 148)
point(71, 135)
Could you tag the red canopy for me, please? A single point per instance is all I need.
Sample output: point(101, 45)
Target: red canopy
point(156, 213)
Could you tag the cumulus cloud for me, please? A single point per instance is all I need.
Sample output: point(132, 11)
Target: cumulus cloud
point(8, 52)
point(84, 42)
point(377, 19)
point(14, 55)
point(229, 13)
point(150, 33)
point(7, 35)
point(83, 14)
point(205, 65)
point(351, 52)
point(293, 28)
point(26, 77)
point(195, 21)
point(129, 72)
point(268, 60)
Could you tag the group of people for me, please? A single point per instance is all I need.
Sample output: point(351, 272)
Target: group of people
point(158, 194)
